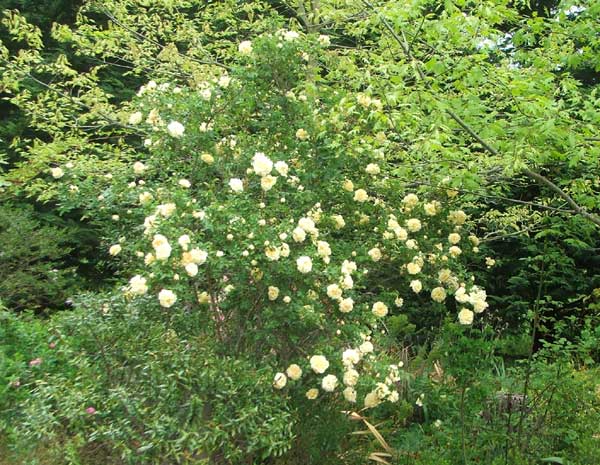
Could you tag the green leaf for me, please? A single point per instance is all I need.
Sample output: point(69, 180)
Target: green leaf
point(552, 460)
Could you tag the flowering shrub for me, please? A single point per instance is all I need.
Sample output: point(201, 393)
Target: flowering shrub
point(247, 208)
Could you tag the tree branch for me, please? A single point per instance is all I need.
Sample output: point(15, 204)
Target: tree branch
point(537, 177)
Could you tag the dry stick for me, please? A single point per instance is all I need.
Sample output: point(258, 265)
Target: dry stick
point(540, 179)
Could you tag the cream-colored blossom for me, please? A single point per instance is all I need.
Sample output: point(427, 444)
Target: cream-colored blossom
point(350, 357)
point(323, 249)
point(302, 134)
point(457, 217)
point(198, 256)
point(307, 224)
point(348, 185)
point(401, 233)
point(203, 297)
point(282, 168)
point(114, 249)
point(145, 197)
point(166, 209)
point(224, 81)
point(351, 377)
point(207, 158)
point(379, 309)
point(261, 164)
point(372, 400)
point(465, 316)
point(137, 285)
point(304, 264)
point(279, 381)
point(334, 291)
point(438, 294)
point(184, 241)
point(454, 251)
point(413, 224)
point(413, 268)
point(267, 182)
point(346, 305)
point(163, 251)
point(290, 36)
point(312, 394)
point(339, 221)
point(272, 253)
point(154, 118)
point(454, 238)
point(139, 167)
point(416, 286)
point(206, 93)
point(175, 129)
point(360, 195)
point(477, 298)
point(444, 275)
point(410, 201)
point(245, 47)
point(319, 364)
point(348, 267)
point(382, 390)
point(57, 172)
point(461, 295)
point(273, 292)
point(135, 118)
point(329, 383)
point(298, 234)
point(294, 372)
point(366, 347)
point(375, 254)
point(350, 394)
point(236, 185)
point(373, 169)
point(347, 282)
point(167, 298)
point(432, 208)
point(191, 269)
point(363, 100)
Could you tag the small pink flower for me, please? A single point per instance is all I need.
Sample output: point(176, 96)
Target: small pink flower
point(16, 383)
point(90, 410)
point(35, 362)
point(52, 345)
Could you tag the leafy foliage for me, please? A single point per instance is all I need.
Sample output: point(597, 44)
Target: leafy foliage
point(297, 207)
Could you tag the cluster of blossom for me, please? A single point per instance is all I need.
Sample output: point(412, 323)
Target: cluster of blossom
point(306, 227)
point(263, 167)
point(409, 236)
point(282, 35)
point(351, 358)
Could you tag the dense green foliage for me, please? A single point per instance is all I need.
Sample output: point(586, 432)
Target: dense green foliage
point(229, 226)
